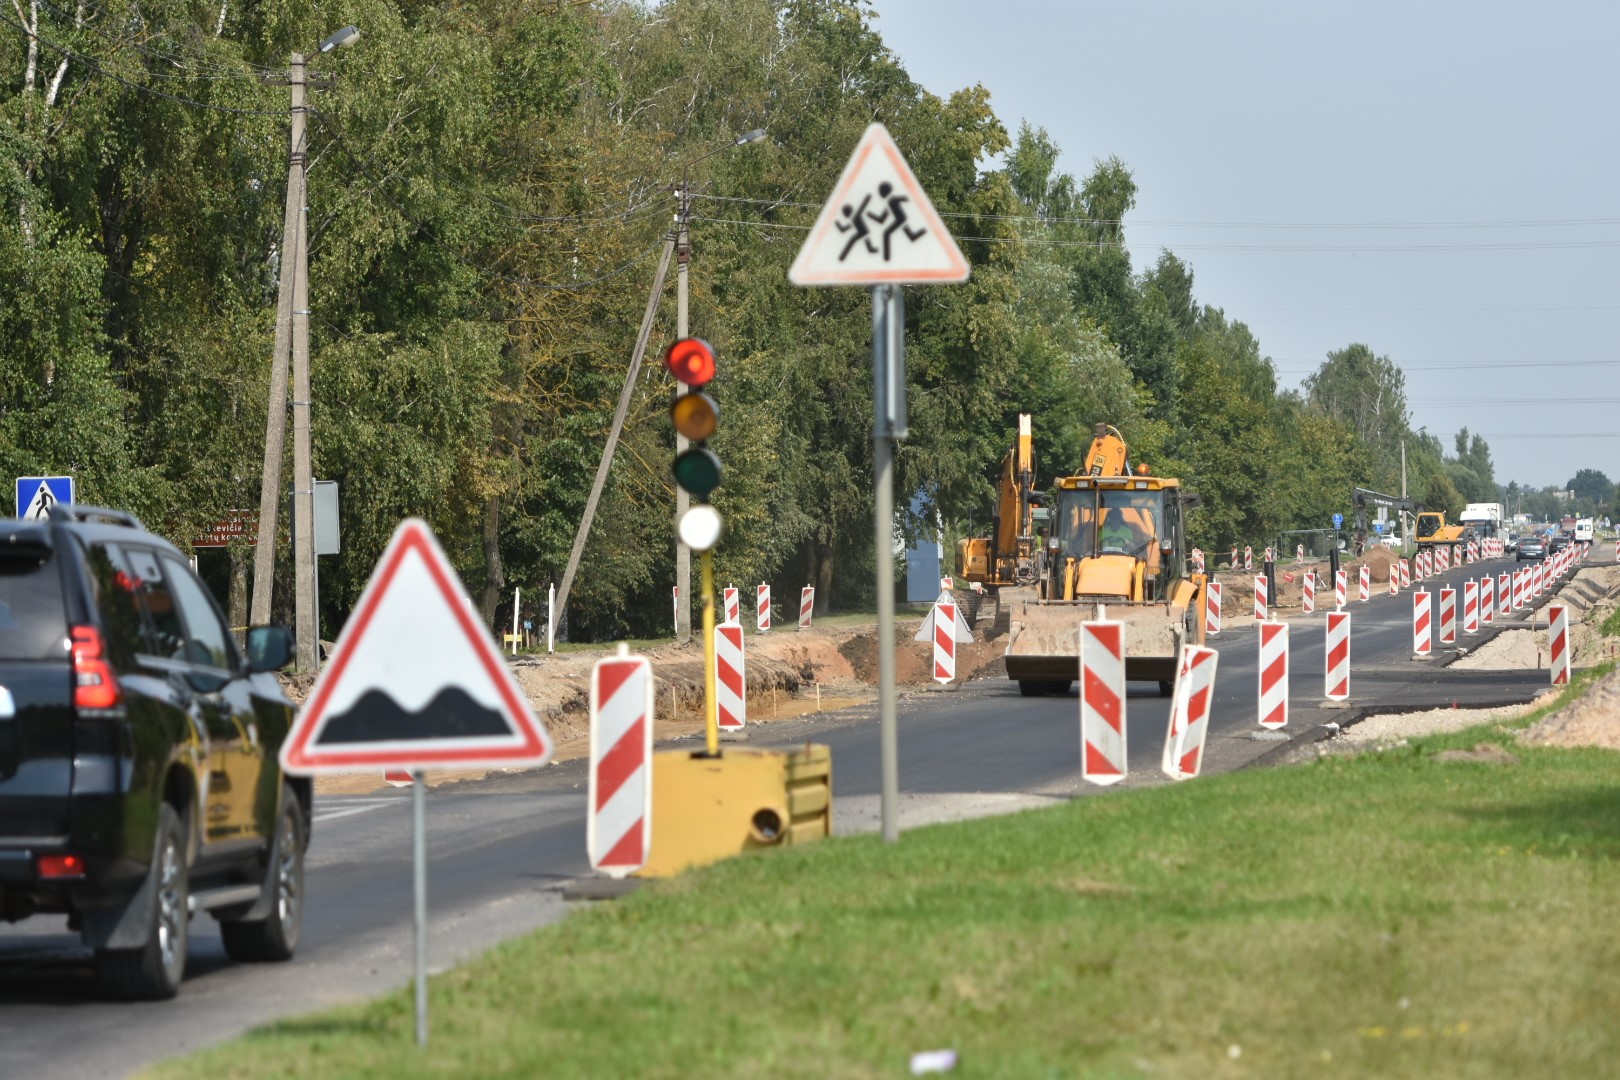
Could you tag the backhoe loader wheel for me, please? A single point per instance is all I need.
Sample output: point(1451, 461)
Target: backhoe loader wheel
point(1031, 688)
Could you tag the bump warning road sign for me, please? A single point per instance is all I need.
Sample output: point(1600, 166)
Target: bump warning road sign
point(878, 227)
point(415, 681)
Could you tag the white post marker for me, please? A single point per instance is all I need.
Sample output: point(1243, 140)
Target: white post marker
point(675, 598)
point(517, 607)
point(879, 229)
point(733, 602)
point(730, 677)
point(1274, 675)
point(807, 606)
point(944, 627)
point(762, 604)
point(1558, 643)
point(1422, 629)
point(1189, 712)
point(1337, 682)
point(415, 682)
point(1212, 613)
point(618, 830)
point(1102, 702)
point(551, 618)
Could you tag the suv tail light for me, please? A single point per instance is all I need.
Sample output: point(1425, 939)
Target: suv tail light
point(60, 867)
point(94, 684)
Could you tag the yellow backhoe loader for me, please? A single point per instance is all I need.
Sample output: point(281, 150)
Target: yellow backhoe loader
point(1115, 548)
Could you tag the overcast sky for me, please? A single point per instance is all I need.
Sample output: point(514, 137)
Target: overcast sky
point(1437, 180)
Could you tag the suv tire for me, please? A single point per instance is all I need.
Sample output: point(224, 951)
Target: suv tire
point(153, 971)
point(274, 938)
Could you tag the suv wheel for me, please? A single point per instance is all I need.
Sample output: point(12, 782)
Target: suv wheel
point(274, 938)
point(153, 971)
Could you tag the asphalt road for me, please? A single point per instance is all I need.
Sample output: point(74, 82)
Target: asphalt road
point(500, 849)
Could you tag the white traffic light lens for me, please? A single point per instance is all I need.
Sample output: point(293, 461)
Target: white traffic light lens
point(700, 527)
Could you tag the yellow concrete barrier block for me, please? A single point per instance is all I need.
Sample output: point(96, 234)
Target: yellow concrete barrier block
point(707, 809)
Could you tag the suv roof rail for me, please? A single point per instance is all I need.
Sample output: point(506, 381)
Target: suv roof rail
point(71, 512)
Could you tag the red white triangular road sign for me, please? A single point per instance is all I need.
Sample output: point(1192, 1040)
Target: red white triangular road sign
point(960, 630)
point(415, 681)
point(878, 227)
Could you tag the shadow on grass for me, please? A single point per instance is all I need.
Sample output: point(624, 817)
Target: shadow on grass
point(1582, 822)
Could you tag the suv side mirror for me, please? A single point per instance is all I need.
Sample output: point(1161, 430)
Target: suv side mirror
point(269, 648)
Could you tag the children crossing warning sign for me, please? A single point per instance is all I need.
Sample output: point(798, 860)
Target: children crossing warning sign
point(415, 681)
point(878, 227)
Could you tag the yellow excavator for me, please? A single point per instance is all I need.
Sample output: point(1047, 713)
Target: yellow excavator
point(1008, 557)
point(1115, 548)
point(1432, 531)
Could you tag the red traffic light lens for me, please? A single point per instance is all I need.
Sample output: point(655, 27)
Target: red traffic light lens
point(690, 360)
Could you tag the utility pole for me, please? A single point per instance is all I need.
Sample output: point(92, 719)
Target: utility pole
point(683, 554)
point(275, 428)
point(1403, 494)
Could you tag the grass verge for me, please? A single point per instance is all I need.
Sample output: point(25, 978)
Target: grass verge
point(1388, 914)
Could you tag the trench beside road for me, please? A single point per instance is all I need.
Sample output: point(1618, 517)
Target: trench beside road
point(501, 848)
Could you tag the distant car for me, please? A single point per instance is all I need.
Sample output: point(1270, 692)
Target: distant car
point(1531, 547)
point(1510, 546)
point(1558, 543)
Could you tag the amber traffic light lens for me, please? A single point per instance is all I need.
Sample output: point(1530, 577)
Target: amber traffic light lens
point(691, 361)
point(695, 416)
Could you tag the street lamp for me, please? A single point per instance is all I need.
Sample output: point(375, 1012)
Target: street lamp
point(292, 337)
point(683, 258)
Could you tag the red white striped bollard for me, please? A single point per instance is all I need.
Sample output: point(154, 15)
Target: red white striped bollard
point(1248, 558)
point(1519, 589)
point(1212, 613)
point(1537, 573)
point(1364, 588)
point(618, 832)
point(1558, 642)
point(1189, 712)
point(1470, 606)
point(1337, 671)
point(1260, 598)
point(763, 604)
point(1341, 587)
point(1273, 675)
point(730, 677)
point(807, 606)
point(732, 597)
point(1299, 553)
point(1198, 560)
point(1395, 579)
point(1102, 702)
point(1232, 562)
point(1406, 573)
point(944, 638)
point(1444, 552)
point(1487, 600)
point(1448, 616)
point(1473, 551)
point(1307, 596)
point(1422, 623)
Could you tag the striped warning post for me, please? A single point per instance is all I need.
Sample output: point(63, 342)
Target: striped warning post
point(1248, 558)
point(1422, 623)
point(1212, 615)
point(1470, 607)
point(1198, 560)
point(1558, 642)
point(807, 606)
point(1537, 572)
point(762, 605)
point(1518, 589)
point(1364, 586)
point(1274, 675)
point(1307, 596)
point(1448, 616)
point(1260, 597)
point(1444, 562)
point(732, 598)
point(944, 638)
point(1337, 682)
point(1102, 702)
point(730, 677)
point(1233, 561)
point(1395, 580)
point(1473, 551)
point(1487, 600)
point(618, 832)
point(1189, 712)
point(1341, 588)
point(1299, 553)
point(1406, 573)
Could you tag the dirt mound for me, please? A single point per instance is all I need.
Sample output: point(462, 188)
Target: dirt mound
point(1592, 719)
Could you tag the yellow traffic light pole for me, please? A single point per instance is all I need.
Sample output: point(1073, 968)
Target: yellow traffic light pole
point(711, 707)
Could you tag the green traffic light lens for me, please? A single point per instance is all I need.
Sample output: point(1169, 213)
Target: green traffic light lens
point(697, 471)
point(695, 416)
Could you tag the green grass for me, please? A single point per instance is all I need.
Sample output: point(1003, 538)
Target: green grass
point(1382, 915)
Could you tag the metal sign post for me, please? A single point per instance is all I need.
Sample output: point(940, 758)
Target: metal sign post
point(419, 880)
point(888, 426)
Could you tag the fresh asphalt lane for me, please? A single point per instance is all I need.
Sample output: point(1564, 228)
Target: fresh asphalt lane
point(499, 849)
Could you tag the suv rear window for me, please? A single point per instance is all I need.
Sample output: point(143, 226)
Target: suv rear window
point(33, 620)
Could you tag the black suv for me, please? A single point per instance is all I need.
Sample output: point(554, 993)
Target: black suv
point(139, 780)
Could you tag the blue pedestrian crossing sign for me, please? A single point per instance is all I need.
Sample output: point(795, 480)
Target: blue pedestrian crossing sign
point(1338, 519)
point(37, 494)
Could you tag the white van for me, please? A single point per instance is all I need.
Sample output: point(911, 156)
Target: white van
point(1583, 531)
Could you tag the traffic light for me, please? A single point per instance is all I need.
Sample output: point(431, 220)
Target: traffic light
point(696, 469)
